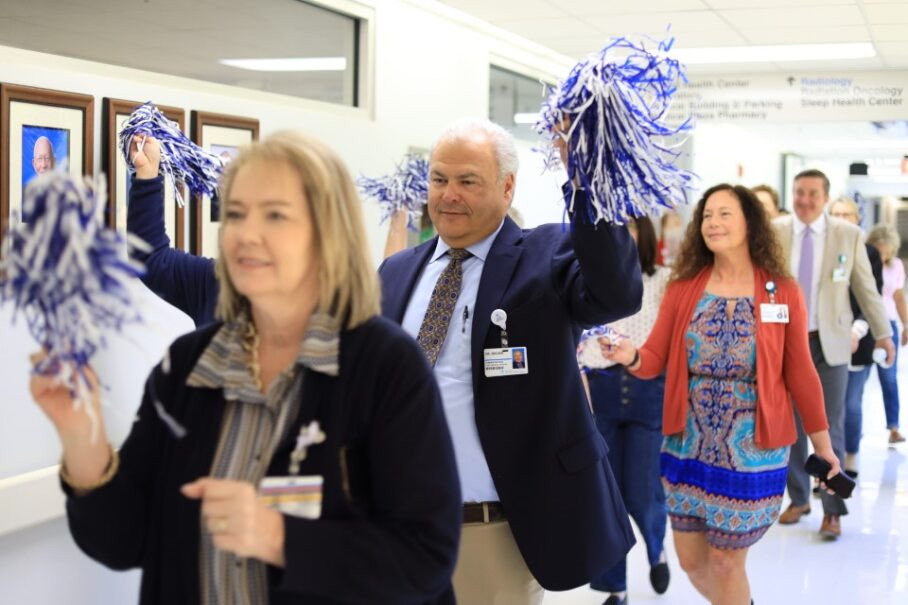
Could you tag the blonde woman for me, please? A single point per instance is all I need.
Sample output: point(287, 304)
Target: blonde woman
point(316, 466)
point(886, 240)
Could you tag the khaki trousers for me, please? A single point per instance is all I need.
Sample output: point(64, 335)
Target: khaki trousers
point(490, 569)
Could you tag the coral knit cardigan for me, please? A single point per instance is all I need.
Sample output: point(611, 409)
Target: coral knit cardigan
point(785, 369)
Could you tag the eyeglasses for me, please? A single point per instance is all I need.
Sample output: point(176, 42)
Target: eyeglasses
point(843, 214)
point(44, 158)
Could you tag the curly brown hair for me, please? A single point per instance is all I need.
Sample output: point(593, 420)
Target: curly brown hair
point(765, 249)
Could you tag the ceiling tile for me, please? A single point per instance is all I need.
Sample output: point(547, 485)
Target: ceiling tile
point(577, 46)
point(794, 16)
point(887, 13)
point(589, 8)
point(736, 4)
point(507, 10)
point(650, 22)
point(888, 33)
point(542, 29)
point(719, 37)
point(802, 35)
point(892, 49)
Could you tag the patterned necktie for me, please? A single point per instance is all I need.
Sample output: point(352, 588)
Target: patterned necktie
point(805, 267)
point(434, 326)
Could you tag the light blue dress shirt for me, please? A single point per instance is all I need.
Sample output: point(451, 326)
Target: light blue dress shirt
point(454, 368)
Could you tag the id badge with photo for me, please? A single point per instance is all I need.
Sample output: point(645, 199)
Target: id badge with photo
point(297, 496)
point(773, 314)
point(506, 361)
point(838, 275)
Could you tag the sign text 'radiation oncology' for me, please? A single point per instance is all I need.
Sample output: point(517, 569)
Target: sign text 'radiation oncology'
point(854, 96)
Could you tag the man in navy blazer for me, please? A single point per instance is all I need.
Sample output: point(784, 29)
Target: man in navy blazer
point(541, 506)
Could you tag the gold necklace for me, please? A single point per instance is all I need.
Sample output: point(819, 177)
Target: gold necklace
point(251, 345)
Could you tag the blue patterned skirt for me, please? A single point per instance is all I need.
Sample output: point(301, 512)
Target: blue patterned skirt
point(716, 479)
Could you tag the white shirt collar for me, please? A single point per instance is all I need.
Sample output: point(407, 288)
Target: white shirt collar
point(818, 226)
point(480, 249)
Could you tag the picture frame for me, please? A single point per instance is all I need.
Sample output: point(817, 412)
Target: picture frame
point(223, 134)
point(41, 129)
point(115, 113)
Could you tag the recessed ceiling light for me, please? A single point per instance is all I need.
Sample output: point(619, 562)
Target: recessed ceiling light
point(289, 64)
point(775, 53)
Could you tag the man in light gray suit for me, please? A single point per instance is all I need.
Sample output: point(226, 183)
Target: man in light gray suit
point(827, 256)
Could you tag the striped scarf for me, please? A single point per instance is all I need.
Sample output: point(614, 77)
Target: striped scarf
point(252, 428)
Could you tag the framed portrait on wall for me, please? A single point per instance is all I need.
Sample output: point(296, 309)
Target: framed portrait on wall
point(222, 135)
point(41, 130)
point(115, 114)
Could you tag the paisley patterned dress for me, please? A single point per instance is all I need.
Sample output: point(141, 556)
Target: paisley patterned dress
point(716, 479)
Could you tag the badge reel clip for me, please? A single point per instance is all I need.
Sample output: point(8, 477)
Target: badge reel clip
point(500, 319)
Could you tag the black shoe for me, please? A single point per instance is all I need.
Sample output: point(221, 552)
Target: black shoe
point(615, 600)
point(659, 577)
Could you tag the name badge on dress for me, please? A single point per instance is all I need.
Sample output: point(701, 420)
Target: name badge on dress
point(773, 314)
point(298, 496)
point(507, 361)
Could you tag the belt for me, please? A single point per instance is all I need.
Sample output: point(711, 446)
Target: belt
point(483, 512)
point(813, 334)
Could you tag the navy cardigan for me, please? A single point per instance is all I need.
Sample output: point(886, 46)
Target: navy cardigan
point(185, 281)
point(864, 355)
point(391, 510)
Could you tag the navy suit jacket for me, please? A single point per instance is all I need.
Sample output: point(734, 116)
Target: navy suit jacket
point(547, 459)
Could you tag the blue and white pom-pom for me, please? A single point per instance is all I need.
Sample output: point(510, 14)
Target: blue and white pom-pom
point(615, 103)
point(182, 161)
point(407, 188)
point(589, 354)
point(67, 273)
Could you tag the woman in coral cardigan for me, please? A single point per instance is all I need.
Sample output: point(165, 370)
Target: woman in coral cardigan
point(732, 338)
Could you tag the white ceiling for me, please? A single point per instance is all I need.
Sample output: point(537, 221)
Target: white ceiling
point(580, 27)
point(186, 37)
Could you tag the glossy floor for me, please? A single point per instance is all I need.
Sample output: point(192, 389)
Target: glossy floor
point(868, 565)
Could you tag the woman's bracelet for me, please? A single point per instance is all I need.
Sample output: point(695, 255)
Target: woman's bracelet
point(104, 479)
point(635, 359)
